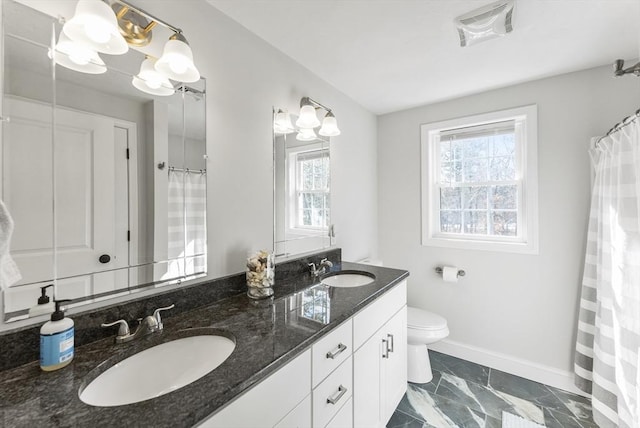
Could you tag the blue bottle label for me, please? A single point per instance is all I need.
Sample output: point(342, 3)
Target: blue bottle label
point(56, 348)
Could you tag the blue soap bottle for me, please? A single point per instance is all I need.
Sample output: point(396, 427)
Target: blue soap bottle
point(56, 340)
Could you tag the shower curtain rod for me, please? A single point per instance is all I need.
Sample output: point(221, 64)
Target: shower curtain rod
point(624, 122)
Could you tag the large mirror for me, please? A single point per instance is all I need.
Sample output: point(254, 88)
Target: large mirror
point(302, 192)
point(106, 184)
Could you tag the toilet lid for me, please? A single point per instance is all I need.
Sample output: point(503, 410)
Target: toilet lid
point(424, 320)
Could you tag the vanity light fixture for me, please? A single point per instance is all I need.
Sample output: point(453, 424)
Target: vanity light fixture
point(306, 134)
point(329, 126)
point(95, 25)
point(176, 61)
point(110, 26)
point(282, 123)
point(309, 120)
point(76, 56)
point(151, 81)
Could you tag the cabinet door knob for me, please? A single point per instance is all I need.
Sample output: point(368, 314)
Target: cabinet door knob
point(390, 342)
point(341, 391)
point(340, 349)
point(105, 258)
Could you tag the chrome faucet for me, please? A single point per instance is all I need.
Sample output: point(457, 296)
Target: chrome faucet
point(149, 324)
point(322, 267)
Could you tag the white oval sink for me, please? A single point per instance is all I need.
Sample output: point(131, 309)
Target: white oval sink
point(347, 279)
point(158, 370)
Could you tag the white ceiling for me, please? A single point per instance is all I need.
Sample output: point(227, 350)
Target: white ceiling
point(390, 55)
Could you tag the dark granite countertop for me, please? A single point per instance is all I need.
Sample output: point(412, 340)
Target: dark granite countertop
point(268, 335)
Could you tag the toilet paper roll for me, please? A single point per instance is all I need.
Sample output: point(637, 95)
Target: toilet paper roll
point(450, 274)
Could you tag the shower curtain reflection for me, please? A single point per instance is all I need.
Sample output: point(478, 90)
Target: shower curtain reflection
point(187, 216)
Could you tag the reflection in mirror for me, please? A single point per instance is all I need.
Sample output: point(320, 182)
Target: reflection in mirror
point(302, 192)
point(106, 184)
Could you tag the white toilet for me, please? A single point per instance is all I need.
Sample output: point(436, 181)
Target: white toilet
point(424, 328)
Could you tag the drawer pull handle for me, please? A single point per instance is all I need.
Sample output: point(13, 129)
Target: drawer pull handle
point(386, 348)
point(390, 341)
point(341, 391)
point(340, 349)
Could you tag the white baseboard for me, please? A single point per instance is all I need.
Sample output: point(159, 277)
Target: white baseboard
point(507, 363)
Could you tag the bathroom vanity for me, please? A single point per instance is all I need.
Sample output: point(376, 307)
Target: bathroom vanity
point(314, 356)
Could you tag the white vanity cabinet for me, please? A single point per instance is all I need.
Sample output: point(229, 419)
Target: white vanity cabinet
point(380, 359)
point(355, 376)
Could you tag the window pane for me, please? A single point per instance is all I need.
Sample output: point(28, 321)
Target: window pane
point(307, 175)
point(450, 198)
point(446, 172)
point(475, 147)
point(457, 148)
point(505, 197)
point(503, 145)
point(475, 170)
point(505, 223)
point(450, 221)
point(474, 198)
point(306, 217)
point(502, 168)
point(475, 223)
point(445, 151)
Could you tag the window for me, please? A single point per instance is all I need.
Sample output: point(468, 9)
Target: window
point(480, 182)
point(310, 196)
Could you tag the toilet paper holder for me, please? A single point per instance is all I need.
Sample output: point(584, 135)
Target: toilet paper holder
point(460, 272)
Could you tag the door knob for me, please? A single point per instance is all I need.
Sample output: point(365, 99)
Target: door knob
point(105, 258)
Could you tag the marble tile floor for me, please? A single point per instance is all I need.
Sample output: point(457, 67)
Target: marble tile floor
point(465, 395)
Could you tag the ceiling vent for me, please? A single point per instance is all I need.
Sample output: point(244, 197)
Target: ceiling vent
point(485, 23)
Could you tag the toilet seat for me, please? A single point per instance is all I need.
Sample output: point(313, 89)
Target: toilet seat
point(420, 319)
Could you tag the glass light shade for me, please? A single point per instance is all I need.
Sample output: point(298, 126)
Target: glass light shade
point(76, 56)
point(150, 81)
point(306, 134)
point(307, 118)
point(176, 61)
point(95, 24)
point(282, 123)
point(329, 126)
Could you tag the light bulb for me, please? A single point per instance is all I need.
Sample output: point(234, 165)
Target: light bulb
point(178, 65)
point(97, 31)
point(79, 57)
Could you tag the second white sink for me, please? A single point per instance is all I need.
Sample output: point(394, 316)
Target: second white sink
point(348, 279)
point(158, 370)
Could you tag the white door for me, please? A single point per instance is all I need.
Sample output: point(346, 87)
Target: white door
point(91, 196)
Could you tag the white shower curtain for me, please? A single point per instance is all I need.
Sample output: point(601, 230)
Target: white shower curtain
point(187, 215)
point(608, 338)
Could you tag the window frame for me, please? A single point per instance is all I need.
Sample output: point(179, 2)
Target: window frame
point(293, 182)
point(526, 177)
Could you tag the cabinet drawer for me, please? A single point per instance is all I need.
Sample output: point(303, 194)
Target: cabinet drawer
point(330, 351)
point(329, 397)
point(344, 417)
point(370, 319)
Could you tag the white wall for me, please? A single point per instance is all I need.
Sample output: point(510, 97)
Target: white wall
point(515, 307)
point(245, 78)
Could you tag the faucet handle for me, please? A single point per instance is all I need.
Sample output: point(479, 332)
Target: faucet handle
point(156, 314)
point(326, 262)
point(123, 330)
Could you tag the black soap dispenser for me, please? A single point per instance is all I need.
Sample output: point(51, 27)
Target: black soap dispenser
point(45, 305)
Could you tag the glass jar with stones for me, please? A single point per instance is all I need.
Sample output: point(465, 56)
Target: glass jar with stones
point(260, 274)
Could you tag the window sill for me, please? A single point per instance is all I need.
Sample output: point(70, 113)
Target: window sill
point(478, 245)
